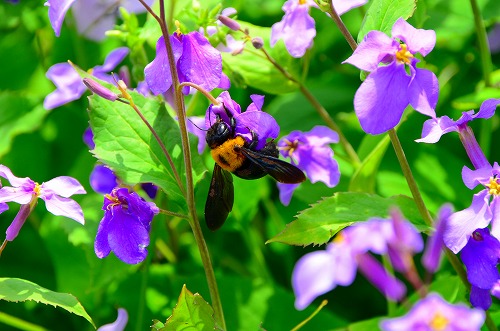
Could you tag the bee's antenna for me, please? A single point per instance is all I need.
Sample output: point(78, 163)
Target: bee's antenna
point(197, 125)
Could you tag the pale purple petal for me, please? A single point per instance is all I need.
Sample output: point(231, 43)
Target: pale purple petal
point(228, 107)
point(434, 128)
point(113, 59)
point(435, 244)
point(134, 6)
point(391, 287)
point(119, 324)
point(64, 207)
point(319, 164)
point(64, 186)
point(157, 73)
point(68, 83)
point(343, 6)
point(231, 46)
point(313, 275)
point(15, 194)
point(196, 125)
point(321, 135)
point(57, 11)
point(17, 223)
point(94, 17)
point(473, 178)
point(3, 207)
point(257, 102)
point(260, 122)
point(286, 192)
point(297, 29)
point(423, 91)
point(487, 108)
point(200, 62)
point(374, 48)
point(461, 224)
point(418, 40)
point(495, 219)
point(224, 83)
point(13, 180)
point(494, 39)
point(127, 237)
point(382, 98)
point(88, 138)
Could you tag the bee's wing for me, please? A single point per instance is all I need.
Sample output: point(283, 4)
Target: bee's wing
point(220, 198)
point(282, 171)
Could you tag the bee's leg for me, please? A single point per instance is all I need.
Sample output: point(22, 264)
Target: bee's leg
point(255, 140)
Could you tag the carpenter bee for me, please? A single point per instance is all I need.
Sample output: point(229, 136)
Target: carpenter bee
point(233, 154)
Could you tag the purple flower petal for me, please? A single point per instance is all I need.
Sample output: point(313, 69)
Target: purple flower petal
point(423, 91)
point(435, 244)
point(127, 237)
point(227, 106)
point(472, 178)
point(119, 324)
point(342, 6)
point(259, 122)
point(57, 11)
point(320, 168)
point(113, 59)
point(134, 6)
point(434, 128)
point(101, 244)
point(15, 194)
point(195, 124)
point(297, 28)
point(487, 108)
point(286, 192)
point(257, 102)
point(102, 179)
point(94, 17)
point(157, 73)
point(321, 135)
point(13, 180)
point(69, 85)
point(64, 186)
point(388, 285)
point(88, 138)
point(418, 40)
point(64, 207)
point(461, 224)
point(374, 48)
point(480, 298)
point(433, 309)
point(378, 105)
point(17, 223)
point(3, 207)
point(200, 63)
point(313, 275)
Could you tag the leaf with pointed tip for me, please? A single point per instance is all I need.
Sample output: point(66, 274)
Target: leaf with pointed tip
point(324, 219)
point(191, 312)
point(20, 290)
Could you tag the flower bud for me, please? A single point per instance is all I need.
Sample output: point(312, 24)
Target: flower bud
point(257, 42)
point(17, 223)
point(100, 90)
point(229, 22)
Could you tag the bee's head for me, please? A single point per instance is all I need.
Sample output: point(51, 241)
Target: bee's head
point(218, 133)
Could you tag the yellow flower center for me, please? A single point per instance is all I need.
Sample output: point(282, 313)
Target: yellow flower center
point(404, 55)
point(439, 322)
point(493, 186)
point(290, 147)
point(114, 201)
point(302, 2)
point(36, 190)
point(339, 238)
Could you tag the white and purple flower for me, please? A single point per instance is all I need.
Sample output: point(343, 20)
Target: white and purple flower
point(382, 98)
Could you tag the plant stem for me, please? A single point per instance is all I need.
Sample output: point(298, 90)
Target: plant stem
point(200, 89)
point(304, 322)
point(343, 29)
point(486, 64)
point(193, 220)
point(320, 110)
point(412, 184)
point(171, 213)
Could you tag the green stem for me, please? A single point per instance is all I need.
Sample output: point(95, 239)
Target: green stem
point(304, 322)
point(320, 110)
point(486, 64)
point(174, 214)
point(343, 29)
point(193, 220)
point(405, 167)
point(19, 323)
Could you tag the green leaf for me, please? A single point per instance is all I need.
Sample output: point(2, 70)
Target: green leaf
point(252, 68)
point(18, 115)
point(323, 220)
point(125, 144)
point(191, 312)
point(364, 179)
point(15, 290)
point(382, 14)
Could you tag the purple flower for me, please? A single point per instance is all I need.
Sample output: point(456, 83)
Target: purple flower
point(382, 98)
point(150, 189)
point(69, 84)
point(93, 17)
point(196, 125)
point(124, 229)
point(319, 272)
point(102, 179)
point(88, 138)
point(310, 151)
point(119, 324)
point(482, 211)
point(434, 128)
point(480, 256)
point(196, 61)
point(434, 313)
point(297, 27)
point(252, 120)
point(494, 39)
point(55, 193)
point(435, 244)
